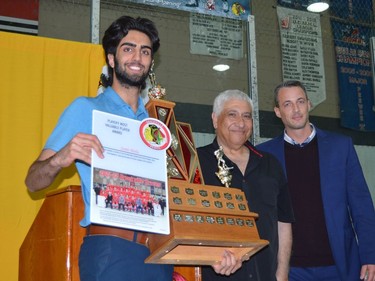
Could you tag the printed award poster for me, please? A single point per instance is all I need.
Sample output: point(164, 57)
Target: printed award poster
point(129, 185)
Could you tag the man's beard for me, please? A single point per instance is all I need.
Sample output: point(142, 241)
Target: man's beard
point(131, 80)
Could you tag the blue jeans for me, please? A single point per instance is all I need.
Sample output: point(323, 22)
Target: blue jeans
point(322, 273)
point(108, 258)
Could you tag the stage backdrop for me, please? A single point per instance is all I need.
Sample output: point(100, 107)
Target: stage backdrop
point(39, 78)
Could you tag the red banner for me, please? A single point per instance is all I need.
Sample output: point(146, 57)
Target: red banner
point(20, 16)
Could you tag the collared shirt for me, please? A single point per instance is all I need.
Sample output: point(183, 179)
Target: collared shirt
point(306, 141)
point(77, 118)
point(267, 194)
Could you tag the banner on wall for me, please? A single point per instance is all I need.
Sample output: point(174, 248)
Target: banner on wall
point(372, 48)
point(20, 16)
point(354, 72)
point(357, 10)
point(239, 9)
point(215, 36)
point(294, 4)
point(302, 51)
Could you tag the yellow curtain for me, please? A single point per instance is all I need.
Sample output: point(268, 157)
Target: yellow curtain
point(39, 78)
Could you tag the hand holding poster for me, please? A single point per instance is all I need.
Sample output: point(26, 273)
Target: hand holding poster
point(129, 185)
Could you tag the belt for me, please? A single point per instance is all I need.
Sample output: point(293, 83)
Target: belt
point(130, 235)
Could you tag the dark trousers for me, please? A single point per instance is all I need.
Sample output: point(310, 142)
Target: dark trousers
point(108, 258)
point(322, 273)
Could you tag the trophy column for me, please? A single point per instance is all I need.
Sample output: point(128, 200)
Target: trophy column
point(183, 162)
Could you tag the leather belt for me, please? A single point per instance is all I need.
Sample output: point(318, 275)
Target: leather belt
point(130, 235)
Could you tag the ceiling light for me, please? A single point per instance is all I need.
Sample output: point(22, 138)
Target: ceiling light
point(317, 6)
point(221, 67)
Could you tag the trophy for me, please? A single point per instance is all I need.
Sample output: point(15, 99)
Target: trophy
point(204, 219)
point(156, 91)
point(223, 174)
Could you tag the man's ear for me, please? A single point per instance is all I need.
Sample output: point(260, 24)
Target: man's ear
point(214, 120)
point(111, 60)
point(309, 105)
point(277, 111)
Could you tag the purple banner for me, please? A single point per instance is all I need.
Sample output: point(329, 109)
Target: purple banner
point(354, 71)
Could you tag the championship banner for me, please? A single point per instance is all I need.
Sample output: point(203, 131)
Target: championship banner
point(215, 36)
point(354, 74)
point(294, 4)
point(239, 9)
point(354, 10)
point(302, 51)
point(353, 60)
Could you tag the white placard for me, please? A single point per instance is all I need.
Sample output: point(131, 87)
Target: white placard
point(302, 51)
point(132, 173)
point(216, 36)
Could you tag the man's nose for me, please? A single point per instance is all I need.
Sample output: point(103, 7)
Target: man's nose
point(137, 55)
point(296, 108)
point(241, 121)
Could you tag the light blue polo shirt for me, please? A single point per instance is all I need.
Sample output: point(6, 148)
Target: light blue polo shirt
point(77, 118)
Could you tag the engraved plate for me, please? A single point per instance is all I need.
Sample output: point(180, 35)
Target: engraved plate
point(216, 194)
point(177, 217)
point(228, 196)
point(162, 112)
point(189, 218)
point(192, 201)
point(240, 222)
point(242, 207)
point(239, 197)
point(218, 204)
point(177, 200)
point(210, 219)
point(250, 223)
point(199, 219)
point(175, 189)
point(230, 205)
point(220, 220)
point(230, 221)
point(189, 191)
point(203, 193)
point(206, 203)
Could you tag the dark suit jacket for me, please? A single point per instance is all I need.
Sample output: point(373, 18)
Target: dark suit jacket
point(346, 199)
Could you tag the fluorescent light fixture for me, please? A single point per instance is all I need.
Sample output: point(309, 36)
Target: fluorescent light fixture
point(317, 6)
point(221, 67)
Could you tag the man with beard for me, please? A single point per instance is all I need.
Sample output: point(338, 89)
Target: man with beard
point(108, 253)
